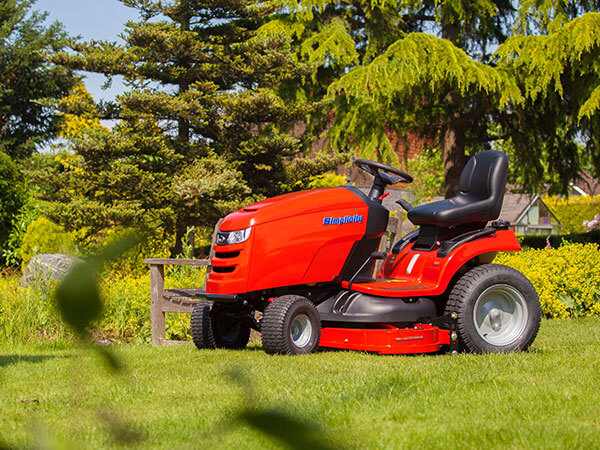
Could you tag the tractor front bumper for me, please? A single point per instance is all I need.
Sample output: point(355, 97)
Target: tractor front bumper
point(219, 298)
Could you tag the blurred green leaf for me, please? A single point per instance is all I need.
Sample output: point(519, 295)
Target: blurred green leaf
point(117, 248)
point(110, 358)
point(294, 432)
point(78, 297)
point(291, 431)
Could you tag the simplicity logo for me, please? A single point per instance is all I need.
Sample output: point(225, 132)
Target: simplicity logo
point(342, 220)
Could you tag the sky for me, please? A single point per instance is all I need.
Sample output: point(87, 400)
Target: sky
point(91, 19)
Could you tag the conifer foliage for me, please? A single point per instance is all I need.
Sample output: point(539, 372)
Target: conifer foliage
point(27, 76)
point(201, 129)
point(555, 132)
point(467, 75)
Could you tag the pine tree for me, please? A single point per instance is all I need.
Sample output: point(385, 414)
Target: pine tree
point(27, 76)
point(202, 129)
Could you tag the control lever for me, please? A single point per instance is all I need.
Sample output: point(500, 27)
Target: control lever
point(373, 256)
point(407, 206)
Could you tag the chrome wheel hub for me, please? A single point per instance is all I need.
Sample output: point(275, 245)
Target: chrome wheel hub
point(301, 330)
point(500, 314)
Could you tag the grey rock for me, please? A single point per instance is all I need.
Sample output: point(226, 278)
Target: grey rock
point(47, 268)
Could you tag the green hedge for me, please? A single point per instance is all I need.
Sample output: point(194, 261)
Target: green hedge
point(556, 241)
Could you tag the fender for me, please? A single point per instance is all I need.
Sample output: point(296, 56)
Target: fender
point(413, 273)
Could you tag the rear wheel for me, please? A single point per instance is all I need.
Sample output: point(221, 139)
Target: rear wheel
point(498, 309)
point(214, 326)
point(290, 325)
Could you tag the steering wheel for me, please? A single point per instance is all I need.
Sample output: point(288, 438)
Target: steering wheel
point(383, 172)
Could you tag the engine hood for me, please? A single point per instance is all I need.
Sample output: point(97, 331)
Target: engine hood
point(327, 201)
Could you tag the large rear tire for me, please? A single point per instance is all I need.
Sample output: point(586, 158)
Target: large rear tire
point(213, 326)
point(498, 309)
point(291, 326)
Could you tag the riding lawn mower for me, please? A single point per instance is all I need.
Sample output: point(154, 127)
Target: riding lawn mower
point(306, 260)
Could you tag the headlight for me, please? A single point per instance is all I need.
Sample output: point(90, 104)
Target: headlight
point(232, 237)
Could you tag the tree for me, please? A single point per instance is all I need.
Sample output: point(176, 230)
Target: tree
point(202, 129)
point(436, 74)
point(27, 75)
point(12, 195)
point(555, 133)
point(403, 77)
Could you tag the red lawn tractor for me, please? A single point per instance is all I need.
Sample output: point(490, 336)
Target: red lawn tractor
point(306, 260)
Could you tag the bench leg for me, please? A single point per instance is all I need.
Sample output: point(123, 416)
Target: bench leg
point(157, 288)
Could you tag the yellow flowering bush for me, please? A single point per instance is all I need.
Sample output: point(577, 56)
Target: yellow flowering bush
point(28, 314)
point(566, 278)
point(573, 211)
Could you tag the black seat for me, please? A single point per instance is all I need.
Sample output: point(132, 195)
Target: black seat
point(479, 200)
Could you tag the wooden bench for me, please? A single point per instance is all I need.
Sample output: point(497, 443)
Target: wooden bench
point(173, 300)
point(183, 300)
point(170, 300)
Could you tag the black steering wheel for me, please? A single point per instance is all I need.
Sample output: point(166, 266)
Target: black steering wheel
point(383, 172)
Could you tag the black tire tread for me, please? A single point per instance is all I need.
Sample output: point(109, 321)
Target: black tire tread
point(462, 291)
point(201, 325)
point(273, 322)
point(240, 342)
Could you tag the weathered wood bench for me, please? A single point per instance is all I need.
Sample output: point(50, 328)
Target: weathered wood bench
point(173, 300)
point(183, 300)
point(170, 300)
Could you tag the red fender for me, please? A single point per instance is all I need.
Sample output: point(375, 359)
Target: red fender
point(419, 273)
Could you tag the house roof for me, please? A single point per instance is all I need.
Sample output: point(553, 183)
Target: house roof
point(515, 205)
point(587, 183)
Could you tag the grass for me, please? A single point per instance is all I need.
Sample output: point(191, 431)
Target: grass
point(178, 397)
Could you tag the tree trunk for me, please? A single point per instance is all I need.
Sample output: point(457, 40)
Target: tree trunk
point(180, 229)
point(454, 157)
point(183, 125)
point(454, 135)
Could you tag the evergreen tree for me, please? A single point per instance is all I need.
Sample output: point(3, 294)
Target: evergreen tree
point(202, 129)
point(27, 76)
point(556, 132)
point(430, 67)
point(420, 66)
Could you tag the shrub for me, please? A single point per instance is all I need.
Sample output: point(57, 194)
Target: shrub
point(132, 262)
point(326, 180)
point(12, 195)
point(592, 224)
point(28, 314)
point(566, 278)
point(425, 168)
point(556, 241)
point(44, 236)
point(573, 211)
point(29, 212)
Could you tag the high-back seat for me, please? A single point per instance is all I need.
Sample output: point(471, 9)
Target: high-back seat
point(480, 194)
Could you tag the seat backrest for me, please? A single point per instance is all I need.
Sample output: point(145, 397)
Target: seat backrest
point(484, 178)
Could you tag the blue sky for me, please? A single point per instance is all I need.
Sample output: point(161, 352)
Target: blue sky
point(91, 19)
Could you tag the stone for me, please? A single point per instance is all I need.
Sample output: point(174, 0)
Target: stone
point(46, 268)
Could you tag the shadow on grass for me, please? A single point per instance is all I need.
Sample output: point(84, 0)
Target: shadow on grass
point(7, 360)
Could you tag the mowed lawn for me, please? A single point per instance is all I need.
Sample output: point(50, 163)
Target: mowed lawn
point(179, 397)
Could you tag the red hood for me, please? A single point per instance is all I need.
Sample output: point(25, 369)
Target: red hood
point(325, 200)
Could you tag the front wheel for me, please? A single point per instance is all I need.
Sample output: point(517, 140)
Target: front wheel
point(290, 325)
point(215, 326)
point(498, 309)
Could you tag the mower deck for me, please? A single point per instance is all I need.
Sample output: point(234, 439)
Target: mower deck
point(390, 340)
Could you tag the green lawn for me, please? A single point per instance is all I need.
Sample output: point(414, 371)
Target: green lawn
point(178, 397)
